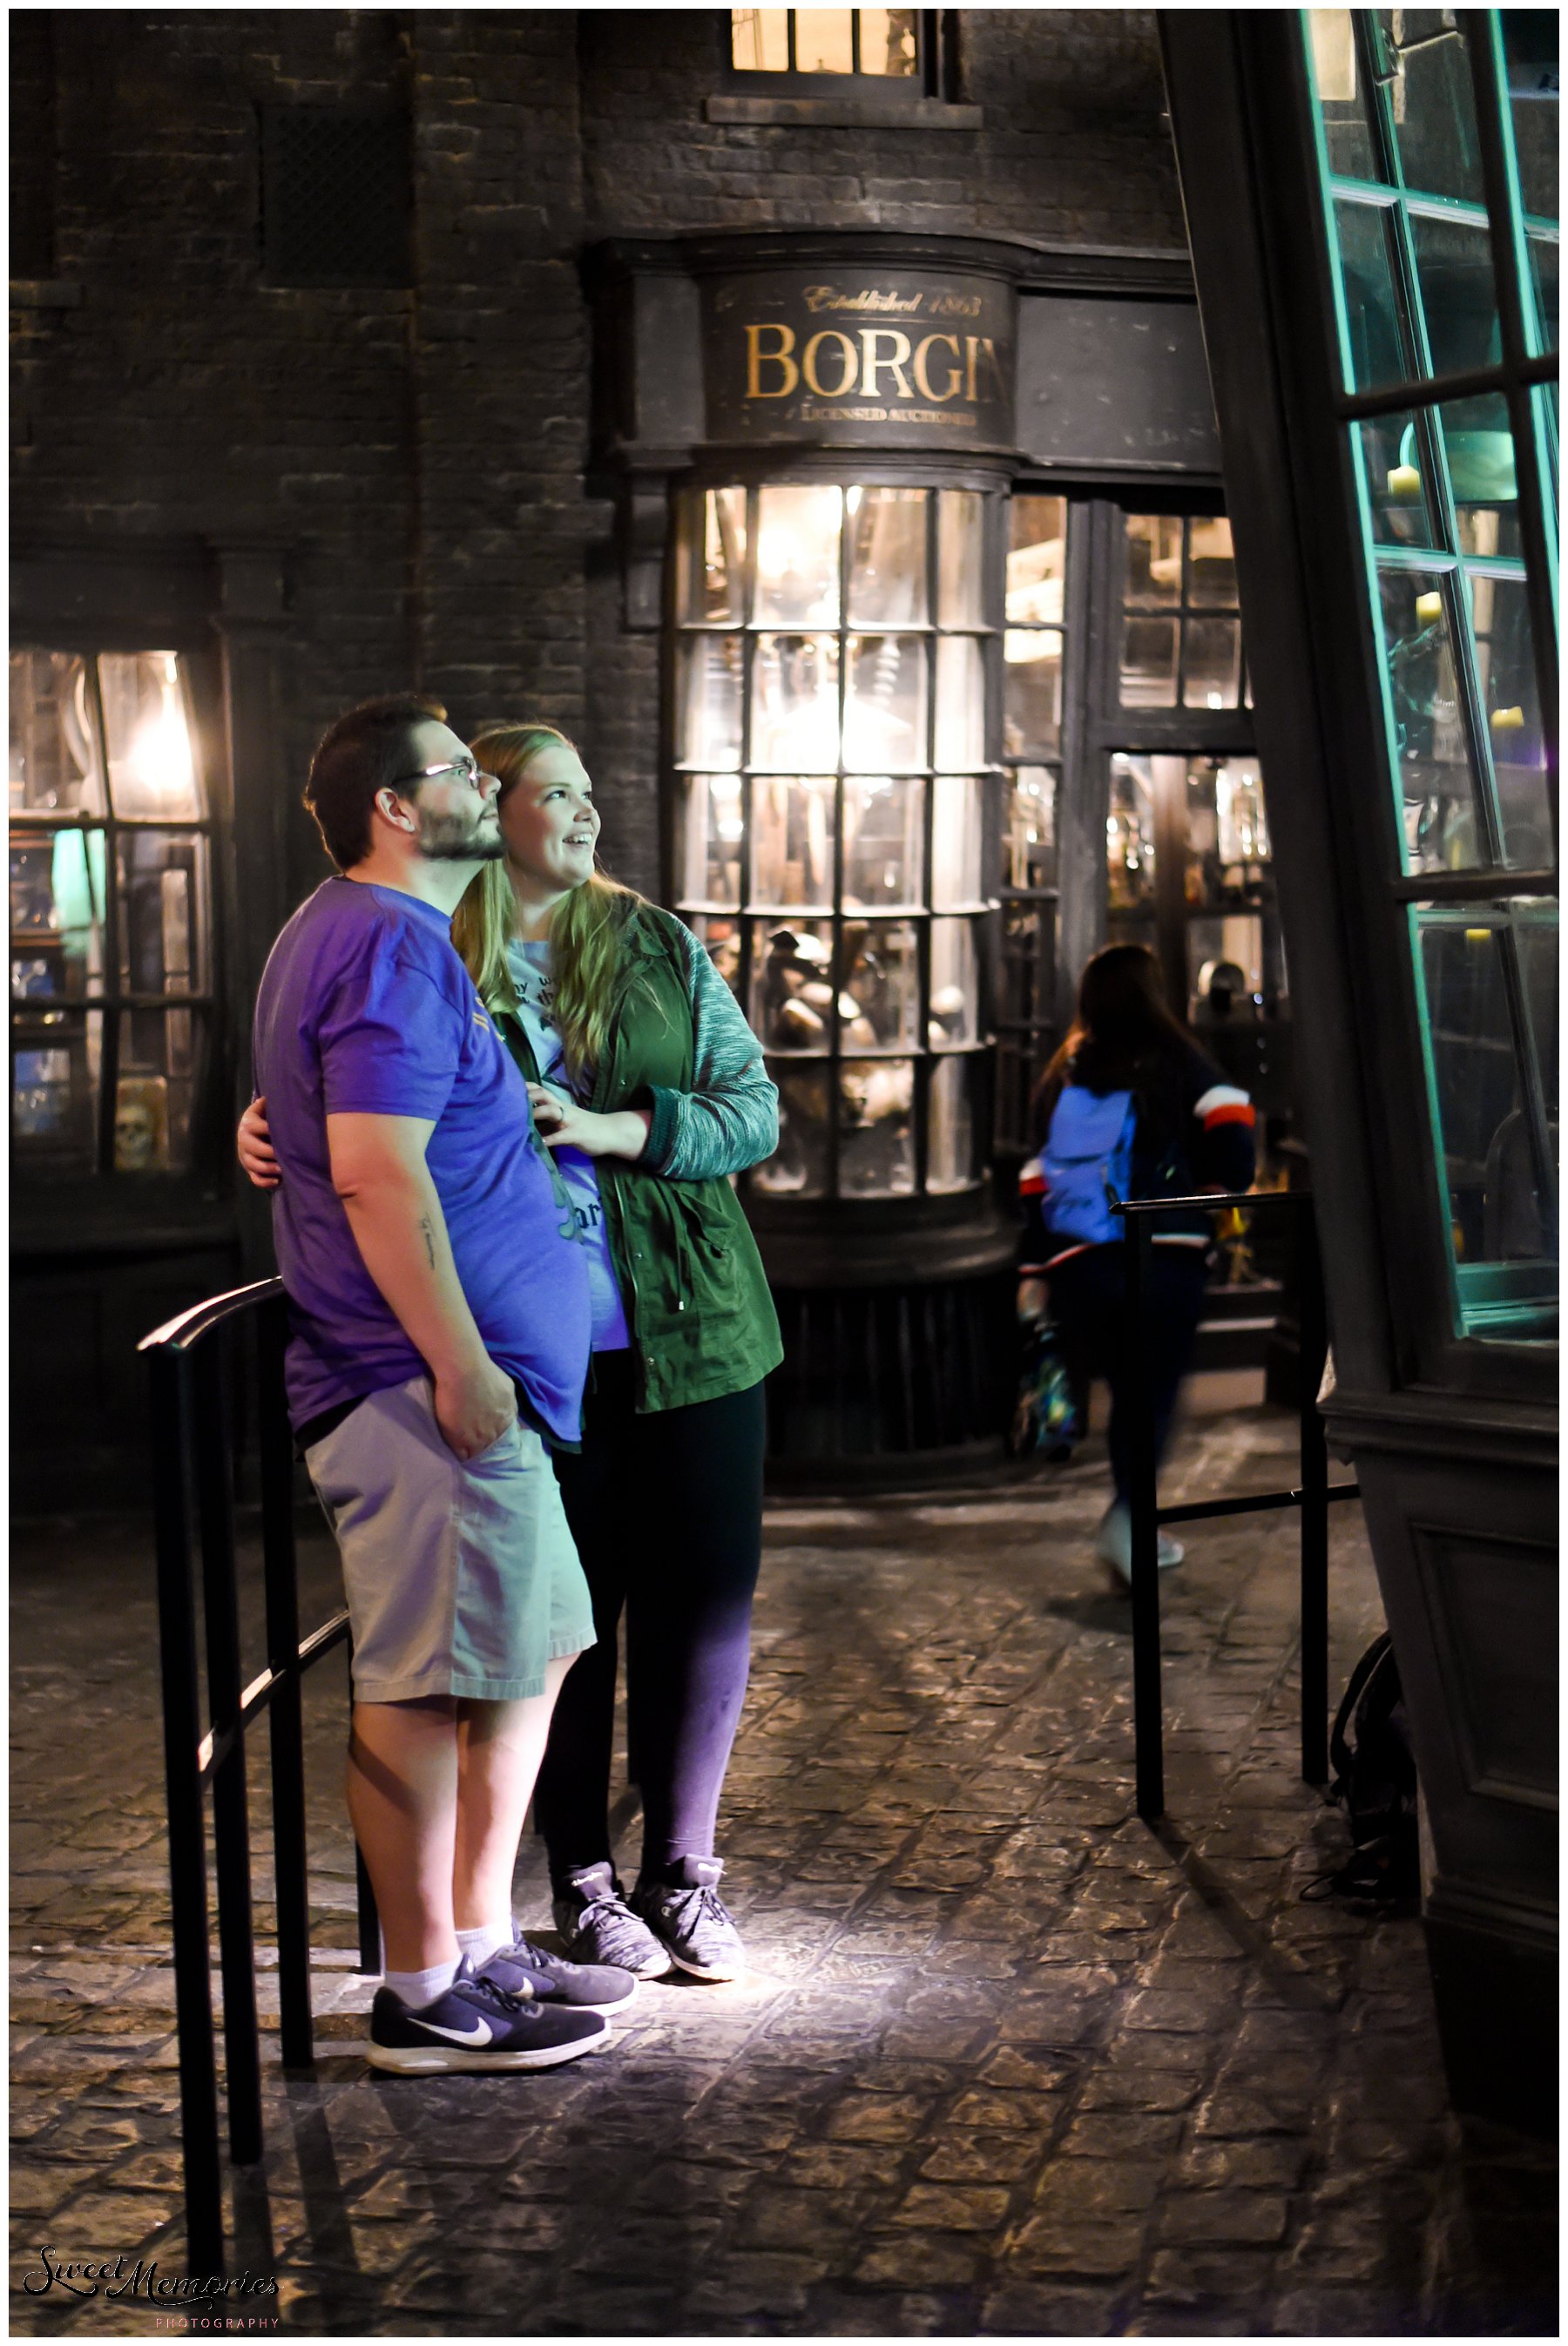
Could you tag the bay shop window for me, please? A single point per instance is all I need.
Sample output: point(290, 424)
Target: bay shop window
point(110, 916)
point(834, 657)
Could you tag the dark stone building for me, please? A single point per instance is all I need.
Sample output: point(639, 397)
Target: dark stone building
point(357, 348)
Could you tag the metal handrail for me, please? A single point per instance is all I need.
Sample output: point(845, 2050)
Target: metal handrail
point(1314, 1495)
point(192, 1455)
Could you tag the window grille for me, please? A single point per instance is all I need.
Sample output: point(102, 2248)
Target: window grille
point(886, 42)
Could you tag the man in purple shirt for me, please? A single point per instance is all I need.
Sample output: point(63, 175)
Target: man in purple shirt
point(440, 1323)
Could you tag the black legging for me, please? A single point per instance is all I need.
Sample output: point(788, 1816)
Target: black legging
point(667, 1513)
point(1089, 1305)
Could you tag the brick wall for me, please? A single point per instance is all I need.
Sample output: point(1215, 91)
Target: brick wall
point(422, 455)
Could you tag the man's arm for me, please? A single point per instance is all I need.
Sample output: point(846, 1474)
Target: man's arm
point(380, 1173)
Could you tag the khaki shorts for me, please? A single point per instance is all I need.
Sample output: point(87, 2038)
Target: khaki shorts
point(462, 1577)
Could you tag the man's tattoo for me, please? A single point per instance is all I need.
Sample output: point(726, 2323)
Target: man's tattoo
point(429, 1238)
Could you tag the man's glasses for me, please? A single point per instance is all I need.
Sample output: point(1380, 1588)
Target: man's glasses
point(474, 774)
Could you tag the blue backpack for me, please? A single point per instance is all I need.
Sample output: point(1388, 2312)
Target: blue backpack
point(1088, 1164)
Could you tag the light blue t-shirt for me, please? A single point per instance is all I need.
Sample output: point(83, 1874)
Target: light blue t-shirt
point(530, 968)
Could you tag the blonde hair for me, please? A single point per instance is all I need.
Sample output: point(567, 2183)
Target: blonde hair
point(586, 927)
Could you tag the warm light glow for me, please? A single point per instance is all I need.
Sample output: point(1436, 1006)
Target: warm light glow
point(158, 766)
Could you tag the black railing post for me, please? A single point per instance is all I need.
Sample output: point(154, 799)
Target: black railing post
point(1148, 1725)
point(1314, 1346)
point(187, 1821)
point(231, 1812)
point(286, 1739)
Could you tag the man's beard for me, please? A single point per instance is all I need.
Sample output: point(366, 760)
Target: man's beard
point(445, 839)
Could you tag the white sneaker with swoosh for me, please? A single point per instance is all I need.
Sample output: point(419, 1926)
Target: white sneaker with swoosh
point(478, 2025)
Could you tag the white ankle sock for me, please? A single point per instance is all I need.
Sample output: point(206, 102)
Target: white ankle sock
point(480, 1944)
point(420, 1988)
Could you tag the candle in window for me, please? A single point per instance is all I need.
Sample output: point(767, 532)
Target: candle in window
point(1404, 480)
point(1507, 720)
point(1429, 608)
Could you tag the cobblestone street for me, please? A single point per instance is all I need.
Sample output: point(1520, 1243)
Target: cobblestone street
point(1008, 2062)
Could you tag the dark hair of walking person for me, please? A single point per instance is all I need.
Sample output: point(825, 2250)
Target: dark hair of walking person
point(365, 750)
point(613, 1010)
point(1129, 1106)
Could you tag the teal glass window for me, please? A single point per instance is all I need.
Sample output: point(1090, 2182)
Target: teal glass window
point(1436, 151)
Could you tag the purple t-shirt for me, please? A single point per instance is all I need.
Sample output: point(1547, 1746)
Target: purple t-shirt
point(364, 1006)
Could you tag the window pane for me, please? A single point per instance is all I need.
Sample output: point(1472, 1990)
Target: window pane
point(952, 1158)
point(162, 881)
point(1130, 835)
point(879, 999)
point(887, 557)
point(721, 939)
point(713, 556)
point(1530, 37)
point(1032, 691)
point(1211, 564)
point(1458, 294)
point(798, 1165)
point(1436, 785)
point(760, 39)
point(1500, 615)
point(1211, 677)
point(1031, 839)
point(1148, 677)
point(1398, 497)
point(1341, 96)
point(882, 821)
point(1433, 102)
point(1225, 969)
point(1543, 277)
point(1154, 559)
point(956, 841)
point(57, 913)
point(1376, 353)
point(53, 746)
point(960, 558)
point(795, 703)
point(885, 708)
point(960, 701)
point(888, 41)
point(1036, 559)
point(791, 990)
point(55, 1071)
point(1495, 1105)
point(1479, 447)
point(1241, 826)
point(792, 841)
point(707, 841)
point(707, 700)
point(151, 769)
point(876, 1128)
point(954, 985)
point(155, 1090)
point(823, 43)
point(798, 555)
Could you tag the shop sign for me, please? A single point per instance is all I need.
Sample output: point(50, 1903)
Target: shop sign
point(859, 358)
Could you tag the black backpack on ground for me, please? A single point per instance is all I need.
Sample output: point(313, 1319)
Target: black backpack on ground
point(1375, 1782)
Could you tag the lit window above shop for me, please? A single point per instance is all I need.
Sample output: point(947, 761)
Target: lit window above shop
point(1181, 622)
point(110, 914)
point(880, 42)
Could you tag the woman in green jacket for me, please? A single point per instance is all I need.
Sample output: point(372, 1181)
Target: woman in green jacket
point(648, 1087)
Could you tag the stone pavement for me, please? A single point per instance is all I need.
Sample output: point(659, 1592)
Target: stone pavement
point(1008, 2062)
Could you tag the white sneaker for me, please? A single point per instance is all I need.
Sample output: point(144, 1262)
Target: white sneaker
point(1114, 1543)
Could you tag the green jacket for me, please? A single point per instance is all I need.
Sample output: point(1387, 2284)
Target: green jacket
point(696, 1301)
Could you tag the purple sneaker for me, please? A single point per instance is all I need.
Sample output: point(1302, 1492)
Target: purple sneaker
point(477, 2024)
point(528, 1970)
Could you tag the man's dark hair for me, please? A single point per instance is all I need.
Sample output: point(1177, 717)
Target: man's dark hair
point(357, 756)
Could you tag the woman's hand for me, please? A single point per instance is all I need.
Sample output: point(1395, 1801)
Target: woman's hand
point(253, 1147)
point(564, 1124)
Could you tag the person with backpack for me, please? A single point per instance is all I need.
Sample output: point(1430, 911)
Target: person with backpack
point(1129, 1107)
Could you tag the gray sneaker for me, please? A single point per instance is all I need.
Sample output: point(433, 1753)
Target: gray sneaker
point(693, 1920)
point(597, 1926)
